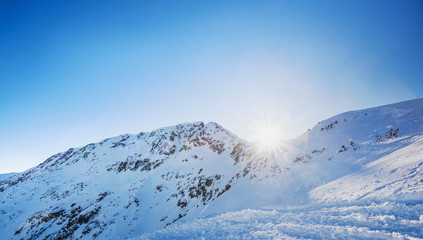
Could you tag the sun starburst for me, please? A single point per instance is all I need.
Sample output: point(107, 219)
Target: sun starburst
point(268, 137)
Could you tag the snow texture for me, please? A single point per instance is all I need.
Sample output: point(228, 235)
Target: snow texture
point(371, 220)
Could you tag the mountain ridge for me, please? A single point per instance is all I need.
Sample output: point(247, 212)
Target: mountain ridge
point(132, 184)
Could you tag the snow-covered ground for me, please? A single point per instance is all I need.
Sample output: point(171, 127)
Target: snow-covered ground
point(359, 220)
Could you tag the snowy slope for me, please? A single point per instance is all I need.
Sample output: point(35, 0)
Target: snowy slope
point(130, 185)
point(397, 175)
point(334, 148)
point(5, 176)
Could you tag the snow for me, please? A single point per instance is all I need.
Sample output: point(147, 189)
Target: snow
point(139, 179)
point(362, 220)
point(350, 176)
point(6, 175)
point(396, 175)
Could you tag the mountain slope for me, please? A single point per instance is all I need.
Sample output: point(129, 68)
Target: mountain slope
point(357, 175)
point(396, 175)
point(133, 184)
point(5, 176)
point(334, 148)
point(121, 186)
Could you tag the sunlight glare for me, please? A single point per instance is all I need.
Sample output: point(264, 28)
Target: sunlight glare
point(268, 137)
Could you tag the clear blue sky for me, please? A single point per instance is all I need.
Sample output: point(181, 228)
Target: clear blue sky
point(75, 72)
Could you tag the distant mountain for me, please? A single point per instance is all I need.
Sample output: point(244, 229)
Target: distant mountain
point(131, 185)
point(6, 175)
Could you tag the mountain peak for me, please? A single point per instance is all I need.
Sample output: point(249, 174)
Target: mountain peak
point(127, 185)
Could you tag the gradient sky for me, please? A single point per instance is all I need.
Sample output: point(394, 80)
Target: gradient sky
point(75, 72)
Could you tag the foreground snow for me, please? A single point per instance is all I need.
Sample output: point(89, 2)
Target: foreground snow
point(362, 220)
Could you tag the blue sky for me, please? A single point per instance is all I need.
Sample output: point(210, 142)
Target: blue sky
point(75, 72)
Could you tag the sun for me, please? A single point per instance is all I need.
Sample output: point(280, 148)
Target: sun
point(268, 137)
point(272, 150)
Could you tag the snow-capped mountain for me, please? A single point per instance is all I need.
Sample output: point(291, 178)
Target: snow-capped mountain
point(131, 185)
point(121, 186)
point(5, 175)
point(345, 144)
